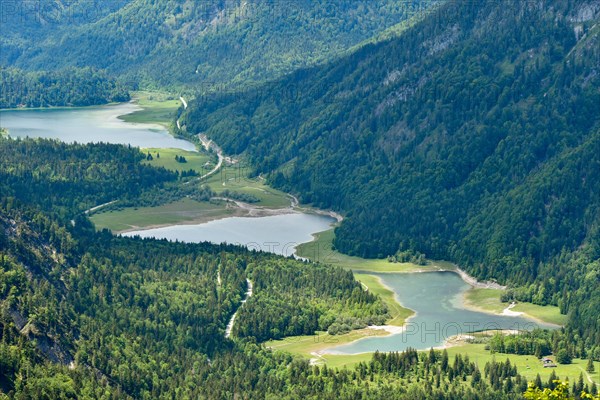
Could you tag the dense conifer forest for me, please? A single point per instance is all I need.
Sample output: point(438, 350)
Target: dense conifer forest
point(68, 87)
point(140, 314)
point(211, 45)
point(91, 315)
point(479, 124)
point(467, 131)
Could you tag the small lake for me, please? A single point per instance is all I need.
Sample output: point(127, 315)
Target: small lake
point(279, 234)
point(436, 297)
point(89, 125)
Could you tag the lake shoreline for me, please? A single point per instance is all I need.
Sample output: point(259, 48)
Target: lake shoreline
point(238, 212)
point(278, 234)
point(470, 306)
point(63, 107)
point(451, 341)
point(91, 124)
point(397, 300)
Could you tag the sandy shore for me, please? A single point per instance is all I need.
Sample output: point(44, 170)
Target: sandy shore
point(391, 329)
point(454, 341)
point(388, 329)
point(475, 283)
point(508, 311)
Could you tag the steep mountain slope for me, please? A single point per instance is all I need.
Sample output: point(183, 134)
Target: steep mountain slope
point(28, 23)
point(209, 45)
point(474, 137)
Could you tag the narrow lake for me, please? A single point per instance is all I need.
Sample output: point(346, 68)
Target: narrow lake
point(89, 125)
point(436, 297)
point(279, 234)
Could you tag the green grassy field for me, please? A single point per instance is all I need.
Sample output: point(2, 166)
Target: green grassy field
point(398, 314)
point(321, 250)
point(158, 108)
point(187, 210)
point(182, 211)
point(235, 178)
point(306, 345)
point(201, 162)
point(528, 366)
point(489, 300)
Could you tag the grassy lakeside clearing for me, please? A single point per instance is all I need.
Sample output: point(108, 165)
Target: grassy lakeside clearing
point(321, 250)
point(234, 178)
point(398, 314)
point(527, 365)
point(309, 346)
point(183, 211)
point(200, 162)
point(488, 300)
point(188, 211)
point(157, 108)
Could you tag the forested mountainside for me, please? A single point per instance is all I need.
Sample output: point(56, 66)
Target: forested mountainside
point(139, 316)
point(207, 45)
point(474, 136)
point(85, 314)
point(68, 87)
point(92, 316)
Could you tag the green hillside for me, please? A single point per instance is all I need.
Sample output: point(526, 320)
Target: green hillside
point(89, 315)
point(194, 46)
point(466, 131)
point(472, 137)
point(137, 317)
point(69, 87)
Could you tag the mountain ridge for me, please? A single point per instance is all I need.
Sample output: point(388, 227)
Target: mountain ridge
point(186, 45)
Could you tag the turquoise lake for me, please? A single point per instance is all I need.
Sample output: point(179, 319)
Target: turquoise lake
point(89, 125)
point(437, 299)
point(278, 234)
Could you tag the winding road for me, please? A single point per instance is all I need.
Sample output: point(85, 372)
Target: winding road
point(209, 144)
point(232, 320)
point(185, 105)
point(184, 102)
point(91, 210)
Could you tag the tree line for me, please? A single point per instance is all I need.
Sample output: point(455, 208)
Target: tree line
point(66, 87)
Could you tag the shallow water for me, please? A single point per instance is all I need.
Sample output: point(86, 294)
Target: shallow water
point(278, 234)
point(436, 297)
point(89, 125)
